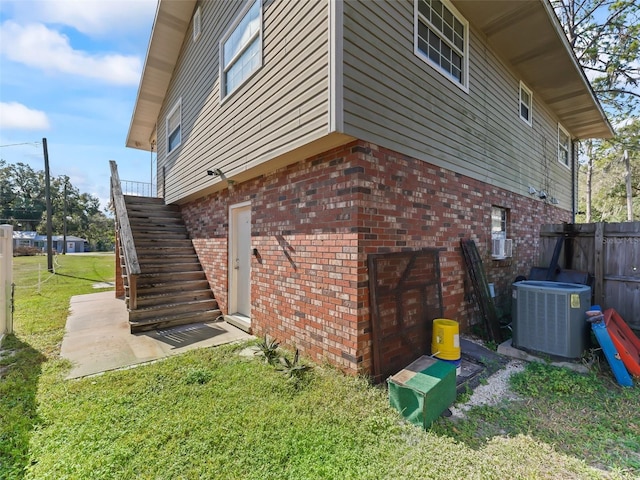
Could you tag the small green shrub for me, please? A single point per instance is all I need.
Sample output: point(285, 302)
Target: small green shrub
point(269, 350)
point(293, 369)
point(199, 376)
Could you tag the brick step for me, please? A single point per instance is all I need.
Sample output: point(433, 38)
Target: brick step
point(174, 320)
point(169, 309)
point(160, 297)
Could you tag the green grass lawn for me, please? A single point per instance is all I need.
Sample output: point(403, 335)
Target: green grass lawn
point(212, 413)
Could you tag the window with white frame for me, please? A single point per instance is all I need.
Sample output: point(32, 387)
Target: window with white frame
point(241, 49)
point(564, 146)
point(197, 24)
point(498, 222)
point(441, 38)
point(174, 130)
point(526, 104)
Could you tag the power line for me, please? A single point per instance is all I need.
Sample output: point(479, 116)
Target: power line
point(33, 144)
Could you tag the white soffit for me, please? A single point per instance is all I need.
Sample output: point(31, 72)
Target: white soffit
point(169, 29)
point(529, 38)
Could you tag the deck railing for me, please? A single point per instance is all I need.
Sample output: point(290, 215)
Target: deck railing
point(123, 227)
point(137, 189)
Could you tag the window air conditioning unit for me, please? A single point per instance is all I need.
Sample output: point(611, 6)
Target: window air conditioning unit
point(549, 317)
point(501, 248)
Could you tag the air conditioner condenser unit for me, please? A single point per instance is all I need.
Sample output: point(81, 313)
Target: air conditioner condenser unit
point(549, 317)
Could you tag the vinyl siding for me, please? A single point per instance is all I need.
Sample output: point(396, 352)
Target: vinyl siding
point(394, 99)
point(282, 106)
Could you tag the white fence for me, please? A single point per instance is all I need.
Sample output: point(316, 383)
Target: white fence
point(6, 278)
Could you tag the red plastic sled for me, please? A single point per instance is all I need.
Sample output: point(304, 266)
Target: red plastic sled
point(626, 343)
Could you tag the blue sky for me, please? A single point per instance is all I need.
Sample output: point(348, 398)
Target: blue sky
point(69, 71)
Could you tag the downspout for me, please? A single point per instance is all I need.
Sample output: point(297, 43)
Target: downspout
point(574, 182)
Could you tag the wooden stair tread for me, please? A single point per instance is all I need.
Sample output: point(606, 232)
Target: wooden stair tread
point(172, 288)
point(174, 320)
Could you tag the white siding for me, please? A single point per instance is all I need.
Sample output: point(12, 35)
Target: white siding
point(284, 105)
point(394, 99)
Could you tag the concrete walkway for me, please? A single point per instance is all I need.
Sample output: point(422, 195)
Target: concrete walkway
point(97, 336)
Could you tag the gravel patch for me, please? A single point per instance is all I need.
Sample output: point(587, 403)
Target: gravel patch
point(494, 391)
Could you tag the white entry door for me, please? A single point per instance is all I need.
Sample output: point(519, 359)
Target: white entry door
point(240, 261)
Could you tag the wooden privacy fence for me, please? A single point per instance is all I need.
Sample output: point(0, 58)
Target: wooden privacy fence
point(608, 251)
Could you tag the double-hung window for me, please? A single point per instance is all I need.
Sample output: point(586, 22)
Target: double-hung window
point(564, 146)
point(498, 222)
point(526, 103)
point(441, 38)
point(241, 49)
point(501, 246)
point(174, 127)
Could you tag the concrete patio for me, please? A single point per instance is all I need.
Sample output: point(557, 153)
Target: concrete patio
point(97, 336)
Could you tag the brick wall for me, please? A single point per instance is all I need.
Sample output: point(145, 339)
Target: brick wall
point(315, 222)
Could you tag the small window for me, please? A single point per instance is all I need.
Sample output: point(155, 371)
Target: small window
point(498, 222)
point(564, 146)
point(441, 39)
point(197, 24)
point(526, 102)
point(241, 49)
point(501, 246)
point(174, 121)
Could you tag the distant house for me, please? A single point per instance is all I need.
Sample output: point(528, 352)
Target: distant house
point(35, 240)
point(299, 138)
point(29, 239)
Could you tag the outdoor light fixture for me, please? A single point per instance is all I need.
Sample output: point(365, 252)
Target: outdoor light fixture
point(542, 194)
point(554, 201)
point(532, 191)
point(216, 172)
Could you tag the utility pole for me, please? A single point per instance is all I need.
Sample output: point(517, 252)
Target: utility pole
point(627, 167)
point(64, 219)
point(47, 193)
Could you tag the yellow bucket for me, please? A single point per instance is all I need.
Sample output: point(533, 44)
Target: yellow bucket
point(445, 344)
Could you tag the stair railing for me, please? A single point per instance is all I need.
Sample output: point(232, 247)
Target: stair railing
point(132, 266)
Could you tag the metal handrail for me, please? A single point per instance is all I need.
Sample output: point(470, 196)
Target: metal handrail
point(126, 235)
point(137, 189)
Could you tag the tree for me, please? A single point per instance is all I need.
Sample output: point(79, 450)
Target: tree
point(22, 204)
point(22, 193)
point(609, 197)
point(605, 36)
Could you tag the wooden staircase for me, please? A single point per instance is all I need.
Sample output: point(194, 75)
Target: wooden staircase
point(171, 288)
